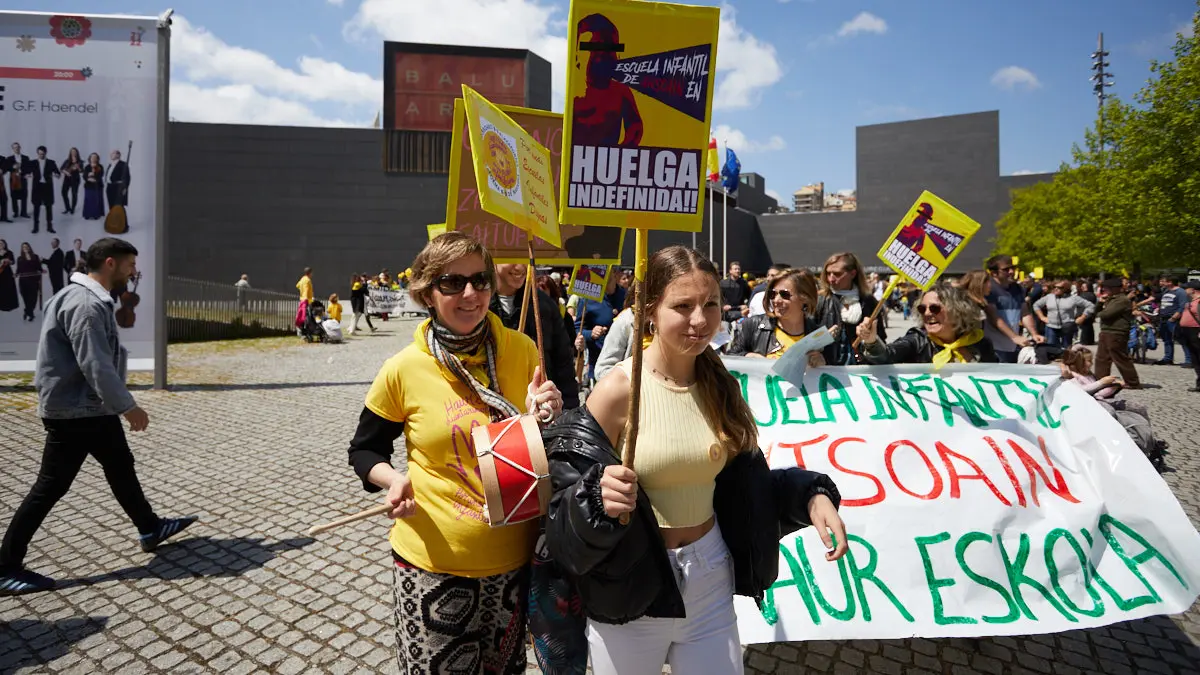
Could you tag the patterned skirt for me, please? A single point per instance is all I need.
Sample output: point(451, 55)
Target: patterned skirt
point(450, 625)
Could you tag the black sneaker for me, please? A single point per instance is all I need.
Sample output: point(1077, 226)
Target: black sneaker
point(167, 528)
point(24, 581)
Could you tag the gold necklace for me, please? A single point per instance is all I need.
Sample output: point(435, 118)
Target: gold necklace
point(670, 379)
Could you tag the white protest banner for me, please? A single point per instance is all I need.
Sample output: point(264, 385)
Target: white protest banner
point(981, 500)
point(391, 301)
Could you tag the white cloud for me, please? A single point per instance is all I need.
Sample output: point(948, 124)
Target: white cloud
point(865, 22)
point(514, 24)
point(745, 65)
point(213, 81)
point(771, 193)
point(1024, 172)
point(742, 145)
point(1010, 78)
point(336, 3)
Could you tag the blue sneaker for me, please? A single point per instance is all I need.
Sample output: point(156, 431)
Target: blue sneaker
point(167, 528)
point(24, 581)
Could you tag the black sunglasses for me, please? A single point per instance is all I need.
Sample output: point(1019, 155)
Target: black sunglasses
point(934, 309)
point(453, 284)
point(781, 293)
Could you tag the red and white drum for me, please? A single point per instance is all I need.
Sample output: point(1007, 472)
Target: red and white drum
point(514, 468)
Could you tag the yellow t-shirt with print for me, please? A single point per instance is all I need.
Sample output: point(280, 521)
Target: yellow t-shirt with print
point(448, 533)
point(305, 288)
point(335, 311)
point(785, 342)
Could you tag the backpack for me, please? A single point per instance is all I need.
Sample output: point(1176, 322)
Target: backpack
point(1138, 428)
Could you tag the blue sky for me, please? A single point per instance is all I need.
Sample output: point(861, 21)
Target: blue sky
point(795, 77)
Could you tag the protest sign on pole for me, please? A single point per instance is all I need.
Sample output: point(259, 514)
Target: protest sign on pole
point(638, 113)
point(590, 281)
point(924, 244)
point(580, 243)
point(512, 170)
point(980, 500)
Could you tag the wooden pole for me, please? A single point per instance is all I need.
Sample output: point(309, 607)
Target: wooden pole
point(531, 295)
point(635, 377)
point(525, 295)
point(887, 293)
point(581, 357)
point(346, 520)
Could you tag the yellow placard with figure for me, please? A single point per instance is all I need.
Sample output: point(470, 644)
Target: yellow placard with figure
point(590, 281)
point(512, 170)
point(436, 230)
point(925, 243)
point(638, 114)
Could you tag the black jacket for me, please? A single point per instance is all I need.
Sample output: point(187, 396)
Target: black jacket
point(916, 347)
point(829, 314)
point(622, 572)
point(756, 335)
point(560, 349)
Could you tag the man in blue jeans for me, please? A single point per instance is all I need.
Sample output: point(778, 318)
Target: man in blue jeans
point(1174, 300)
point(80, 378)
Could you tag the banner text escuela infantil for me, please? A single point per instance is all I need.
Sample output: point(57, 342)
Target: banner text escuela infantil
point(981, 500)
point(638, 113)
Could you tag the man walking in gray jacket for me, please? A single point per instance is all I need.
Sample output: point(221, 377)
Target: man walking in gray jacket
point(82, 396)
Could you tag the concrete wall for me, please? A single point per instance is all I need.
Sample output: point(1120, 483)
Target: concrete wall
point(957, 158)
point(268, 201)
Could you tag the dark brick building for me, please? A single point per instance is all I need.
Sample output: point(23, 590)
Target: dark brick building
point(268, 201)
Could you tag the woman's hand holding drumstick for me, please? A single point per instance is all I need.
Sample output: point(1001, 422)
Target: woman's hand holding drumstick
point(544, 399)
point(400, 499)
point(618, 490)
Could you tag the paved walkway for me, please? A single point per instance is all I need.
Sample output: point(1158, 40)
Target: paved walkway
point(253, 440)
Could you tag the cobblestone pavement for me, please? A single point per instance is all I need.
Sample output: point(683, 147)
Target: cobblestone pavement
point(252, 438)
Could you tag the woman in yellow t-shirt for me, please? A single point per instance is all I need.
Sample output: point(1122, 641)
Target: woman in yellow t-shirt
point(335, 308)
point(791, 300)
point(460, 584)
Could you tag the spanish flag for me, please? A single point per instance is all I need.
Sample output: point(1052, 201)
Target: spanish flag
point(714, 166)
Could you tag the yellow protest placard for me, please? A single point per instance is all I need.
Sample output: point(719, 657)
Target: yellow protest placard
point(590, 281)
point(925, 243)
point(512, 169)
point(581, 244)
point(638, 113)
point(435, 230)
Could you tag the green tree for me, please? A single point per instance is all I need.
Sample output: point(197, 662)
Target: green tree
point(1130, 197)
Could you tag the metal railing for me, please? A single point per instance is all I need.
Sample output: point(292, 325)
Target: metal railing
point(199, 311)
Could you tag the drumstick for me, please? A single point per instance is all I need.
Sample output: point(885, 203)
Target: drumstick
point(580, 358)
point(635, 376)
point(346, 520)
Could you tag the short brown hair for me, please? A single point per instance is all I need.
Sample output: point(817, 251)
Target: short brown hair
point(439, 254)
point(806, 287)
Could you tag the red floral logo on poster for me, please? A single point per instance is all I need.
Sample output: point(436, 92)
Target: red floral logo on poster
point(71, 31)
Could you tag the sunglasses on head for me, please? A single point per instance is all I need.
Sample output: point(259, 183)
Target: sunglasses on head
point(933, 309)
point(453, 284)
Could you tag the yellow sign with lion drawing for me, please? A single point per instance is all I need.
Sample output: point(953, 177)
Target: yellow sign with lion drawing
point(512, 170)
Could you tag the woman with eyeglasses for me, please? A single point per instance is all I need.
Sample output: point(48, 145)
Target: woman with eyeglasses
point(460, 585)
point(791, 296)
point(949, 331)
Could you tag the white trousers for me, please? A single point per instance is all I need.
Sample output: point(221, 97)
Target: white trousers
point(704, 642)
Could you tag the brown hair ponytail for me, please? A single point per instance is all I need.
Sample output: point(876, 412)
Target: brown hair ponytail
point(720, 393)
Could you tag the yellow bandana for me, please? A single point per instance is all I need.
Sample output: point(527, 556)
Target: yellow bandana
point(954, 350)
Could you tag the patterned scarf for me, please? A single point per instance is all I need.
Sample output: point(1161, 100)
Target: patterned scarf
point(954, 350)
point(445, 346)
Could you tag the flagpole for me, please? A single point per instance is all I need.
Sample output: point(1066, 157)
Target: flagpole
point(711, 208)
point(725, 224)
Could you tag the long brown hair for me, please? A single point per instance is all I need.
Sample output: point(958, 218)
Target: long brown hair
point(851, 262)
point(974, 283)
point(720, 393)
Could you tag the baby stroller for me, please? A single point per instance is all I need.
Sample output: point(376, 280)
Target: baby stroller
point(312, 330)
